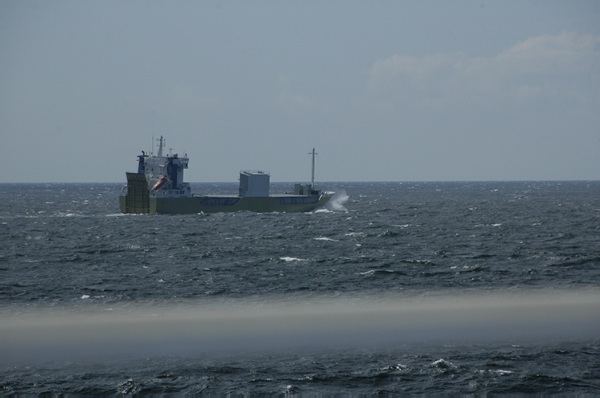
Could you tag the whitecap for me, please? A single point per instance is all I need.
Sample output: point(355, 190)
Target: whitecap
point(442, 363)
point(322, 210)
point(289, 259)
point(367, 273)
point(325, 238)
point(355, 234)
point(402, 226)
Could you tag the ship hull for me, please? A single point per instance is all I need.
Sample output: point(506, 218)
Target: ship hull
point(219, 204)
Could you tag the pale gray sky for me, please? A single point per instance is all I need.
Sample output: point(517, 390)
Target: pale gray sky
point(385, 90)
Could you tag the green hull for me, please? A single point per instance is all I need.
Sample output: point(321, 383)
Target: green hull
point(193, 205)
point(137, 199)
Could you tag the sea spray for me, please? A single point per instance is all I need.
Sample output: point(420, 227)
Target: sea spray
point(336, 203)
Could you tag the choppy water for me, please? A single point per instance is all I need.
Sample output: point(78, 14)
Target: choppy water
point(398, 288)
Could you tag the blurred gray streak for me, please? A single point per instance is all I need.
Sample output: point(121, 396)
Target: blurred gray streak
point(206, 326)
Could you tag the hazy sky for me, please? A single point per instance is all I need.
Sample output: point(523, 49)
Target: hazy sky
point(385, 90)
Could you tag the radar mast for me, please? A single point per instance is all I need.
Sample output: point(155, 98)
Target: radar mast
point(312, 177)
point(161, 144)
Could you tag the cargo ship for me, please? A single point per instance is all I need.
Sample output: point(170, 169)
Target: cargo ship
point(158, 187)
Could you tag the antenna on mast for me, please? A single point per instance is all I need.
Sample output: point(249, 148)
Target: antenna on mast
point(312, 177)
point(161, 144)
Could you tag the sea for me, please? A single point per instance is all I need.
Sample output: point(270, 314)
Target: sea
point(394, 288)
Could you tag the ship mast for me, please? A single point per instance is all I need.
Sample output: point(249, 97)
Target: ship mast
point(312, 177)
point(161, 144)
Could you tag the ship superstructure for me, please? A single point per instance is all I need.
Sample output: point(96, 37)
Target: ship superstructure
point(158, 187)
point(164, 173)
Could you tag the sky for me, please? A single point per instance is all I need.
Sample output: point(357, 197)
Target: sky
point(385, 90)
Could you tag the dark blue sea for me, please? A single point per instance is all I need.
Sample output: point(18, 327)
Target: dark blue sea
point(394, 288)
